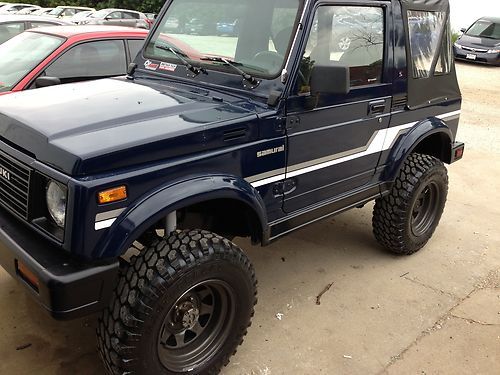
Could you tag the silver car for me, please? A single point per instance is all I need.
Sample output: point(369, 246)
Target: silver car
point(118, 17)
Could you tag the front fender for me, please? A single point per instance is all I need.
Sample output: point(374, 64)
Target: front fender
point(411, 140)
point(159, 203)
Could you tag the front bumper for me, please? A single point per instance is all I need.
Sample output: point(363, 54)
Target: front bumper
point(483, 58)
point(68, 288)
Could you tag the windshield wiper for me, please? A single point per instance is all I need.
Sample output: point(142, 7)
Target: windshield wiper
point(247, 77)
point(180, 55)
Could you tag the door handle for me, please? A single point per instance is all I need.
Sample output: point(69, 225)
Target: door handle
point(376, 107)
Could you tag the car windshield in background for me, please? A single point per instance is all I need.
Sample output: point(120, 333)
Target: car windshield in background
point(56, 12)
point(23, 53)
point(485, 29)
point(253, 34)
point(100, 14)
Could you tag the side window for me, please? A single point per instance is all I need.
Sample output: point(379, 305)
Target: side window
point(135, 47)
point(34, 25)
point(130, 15)
point(68, 12)
point(348, 36)
point(425, 29)
point(10, 30)
point(115, 15)
point(89, 60)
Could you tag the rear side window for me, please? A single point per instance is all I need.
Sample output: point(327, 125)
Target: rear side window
point(129, 15)
point(92, 59)
point(135, 47)
point(425, 30)
point(10, 30)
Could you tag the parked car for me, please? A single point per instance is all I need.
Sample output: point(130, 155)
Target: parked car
point(13, 25)
point(68, 11)
point(27, 10)
point(48, 56)
point(79, 17)
point(12, 8)
point(228, 28)
point(200, 26)
point(480, 42)
point(118, 17)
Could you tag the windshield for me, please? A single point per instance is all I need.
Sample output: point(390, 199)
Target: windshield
point(22, 54)
point(56, 11)
point(254, 34)
point(100, 14)
point(485, 29)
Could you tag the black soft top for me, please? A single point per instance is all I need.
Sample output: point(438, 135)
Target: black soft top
point(434, 88)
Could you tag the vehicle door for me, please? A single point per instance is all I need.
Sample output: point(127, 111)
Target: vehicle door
point(130, 19)
point(89, 60)
point(335, 141)
point(113, 19)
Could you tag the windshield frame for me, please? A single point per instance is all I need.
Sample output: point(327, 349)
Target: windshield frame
point(63, 40)
point(271, 79)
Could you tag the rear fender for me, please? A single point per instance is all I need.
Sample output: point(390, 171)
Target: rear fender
point(159, 203)
point(419, 136)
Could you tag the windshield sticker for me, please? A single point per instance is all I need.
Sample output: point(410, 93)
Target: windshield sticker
point(149, 65)
point(168, 67)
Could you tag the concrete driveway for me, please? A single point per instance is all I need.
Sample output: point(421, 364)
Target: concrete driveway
point(436, 312)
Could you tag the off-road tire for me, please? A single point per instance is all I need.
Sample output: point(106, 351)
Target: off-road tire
point(393, 226)
point(128, 330)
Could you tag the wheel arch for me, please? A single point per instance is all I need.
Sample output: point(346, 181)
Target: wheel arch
point(196, 191)
point(431, 137)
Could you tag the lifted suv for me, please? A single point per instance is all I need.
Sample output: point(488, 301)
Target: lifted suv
point(112, 191)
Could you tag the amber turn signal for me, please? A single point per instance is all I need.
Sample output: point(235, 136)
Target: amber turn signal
point(112, 195)
point(27, 275)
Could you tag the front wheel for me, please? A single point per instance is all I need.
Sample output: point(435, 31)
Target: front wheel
point(406, 218)
point(182, 306)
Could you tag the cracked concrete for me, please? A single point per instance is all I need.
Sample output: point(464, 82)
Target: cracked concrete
point(435, 312)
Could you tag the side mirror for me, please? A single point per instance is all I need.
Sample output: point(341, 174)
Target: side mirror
point(46, 82)
point(330, 79)
point(463, 30)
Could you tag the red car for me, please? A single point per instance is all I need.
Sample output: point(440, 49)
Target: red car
point(62, 54)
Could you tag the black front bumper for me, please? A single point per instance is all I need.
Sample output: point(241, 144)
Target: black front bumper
point(68, 288)
point(482, 58)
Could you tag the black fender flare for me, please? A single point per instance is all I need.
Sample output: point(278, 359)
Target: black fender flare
point(411, 140)
point(159, 203)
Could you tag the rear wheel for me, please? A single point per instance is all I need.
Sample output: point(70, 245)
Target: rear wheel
point(182, 306)
point(406, 218)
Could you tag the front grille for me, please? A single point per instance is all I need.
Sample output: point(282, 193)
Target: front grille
point(478, 50)
point(14, 185)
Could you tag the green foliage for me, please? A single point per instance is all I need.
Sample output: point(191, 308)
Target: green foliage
point(153, 6)
point(454, 36)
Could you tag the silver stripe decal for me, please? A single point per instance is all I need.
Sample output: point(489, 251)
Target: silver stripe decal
point(109, 214)
point(382, 140)
point(266, 175)
point(104, 224)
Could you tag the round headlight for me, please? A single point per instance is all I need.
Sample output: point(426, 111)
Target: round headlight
point(56, 202)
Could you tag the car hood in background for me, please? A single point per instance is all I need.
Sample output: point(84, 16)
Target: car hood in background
point(477, 42)
point(93, 127)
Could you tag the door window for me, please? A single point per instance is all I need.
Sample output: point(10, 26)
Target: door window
point(90, 60)
point(130, 15)
point(349, 36)
point(115, 15)
point(135, 47)
point(10, 30)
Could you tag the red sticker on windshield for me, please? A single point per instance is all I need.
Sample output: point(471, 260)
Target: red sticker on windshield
point(168, 67)
point(151, 65)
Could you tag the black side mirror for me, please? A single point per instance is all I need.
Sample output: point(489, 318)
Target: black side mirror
point(463, 30)
point(330, 79)
point(46, 82)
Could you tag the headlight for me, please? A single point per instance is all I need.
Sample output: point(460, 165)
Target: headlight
point(458, 46)
point(56, 202)
point(494, 51)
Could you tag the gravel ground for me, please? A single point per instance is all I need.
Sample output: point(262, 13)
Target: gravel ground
point(437, 312)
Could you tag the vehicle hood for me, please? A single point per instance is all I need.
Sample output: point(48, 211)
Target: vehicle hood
point(92, 127)
point(477, 42)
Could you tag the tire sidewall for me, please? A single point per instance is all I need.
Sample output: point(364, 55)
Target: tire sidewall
point(212, 269)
